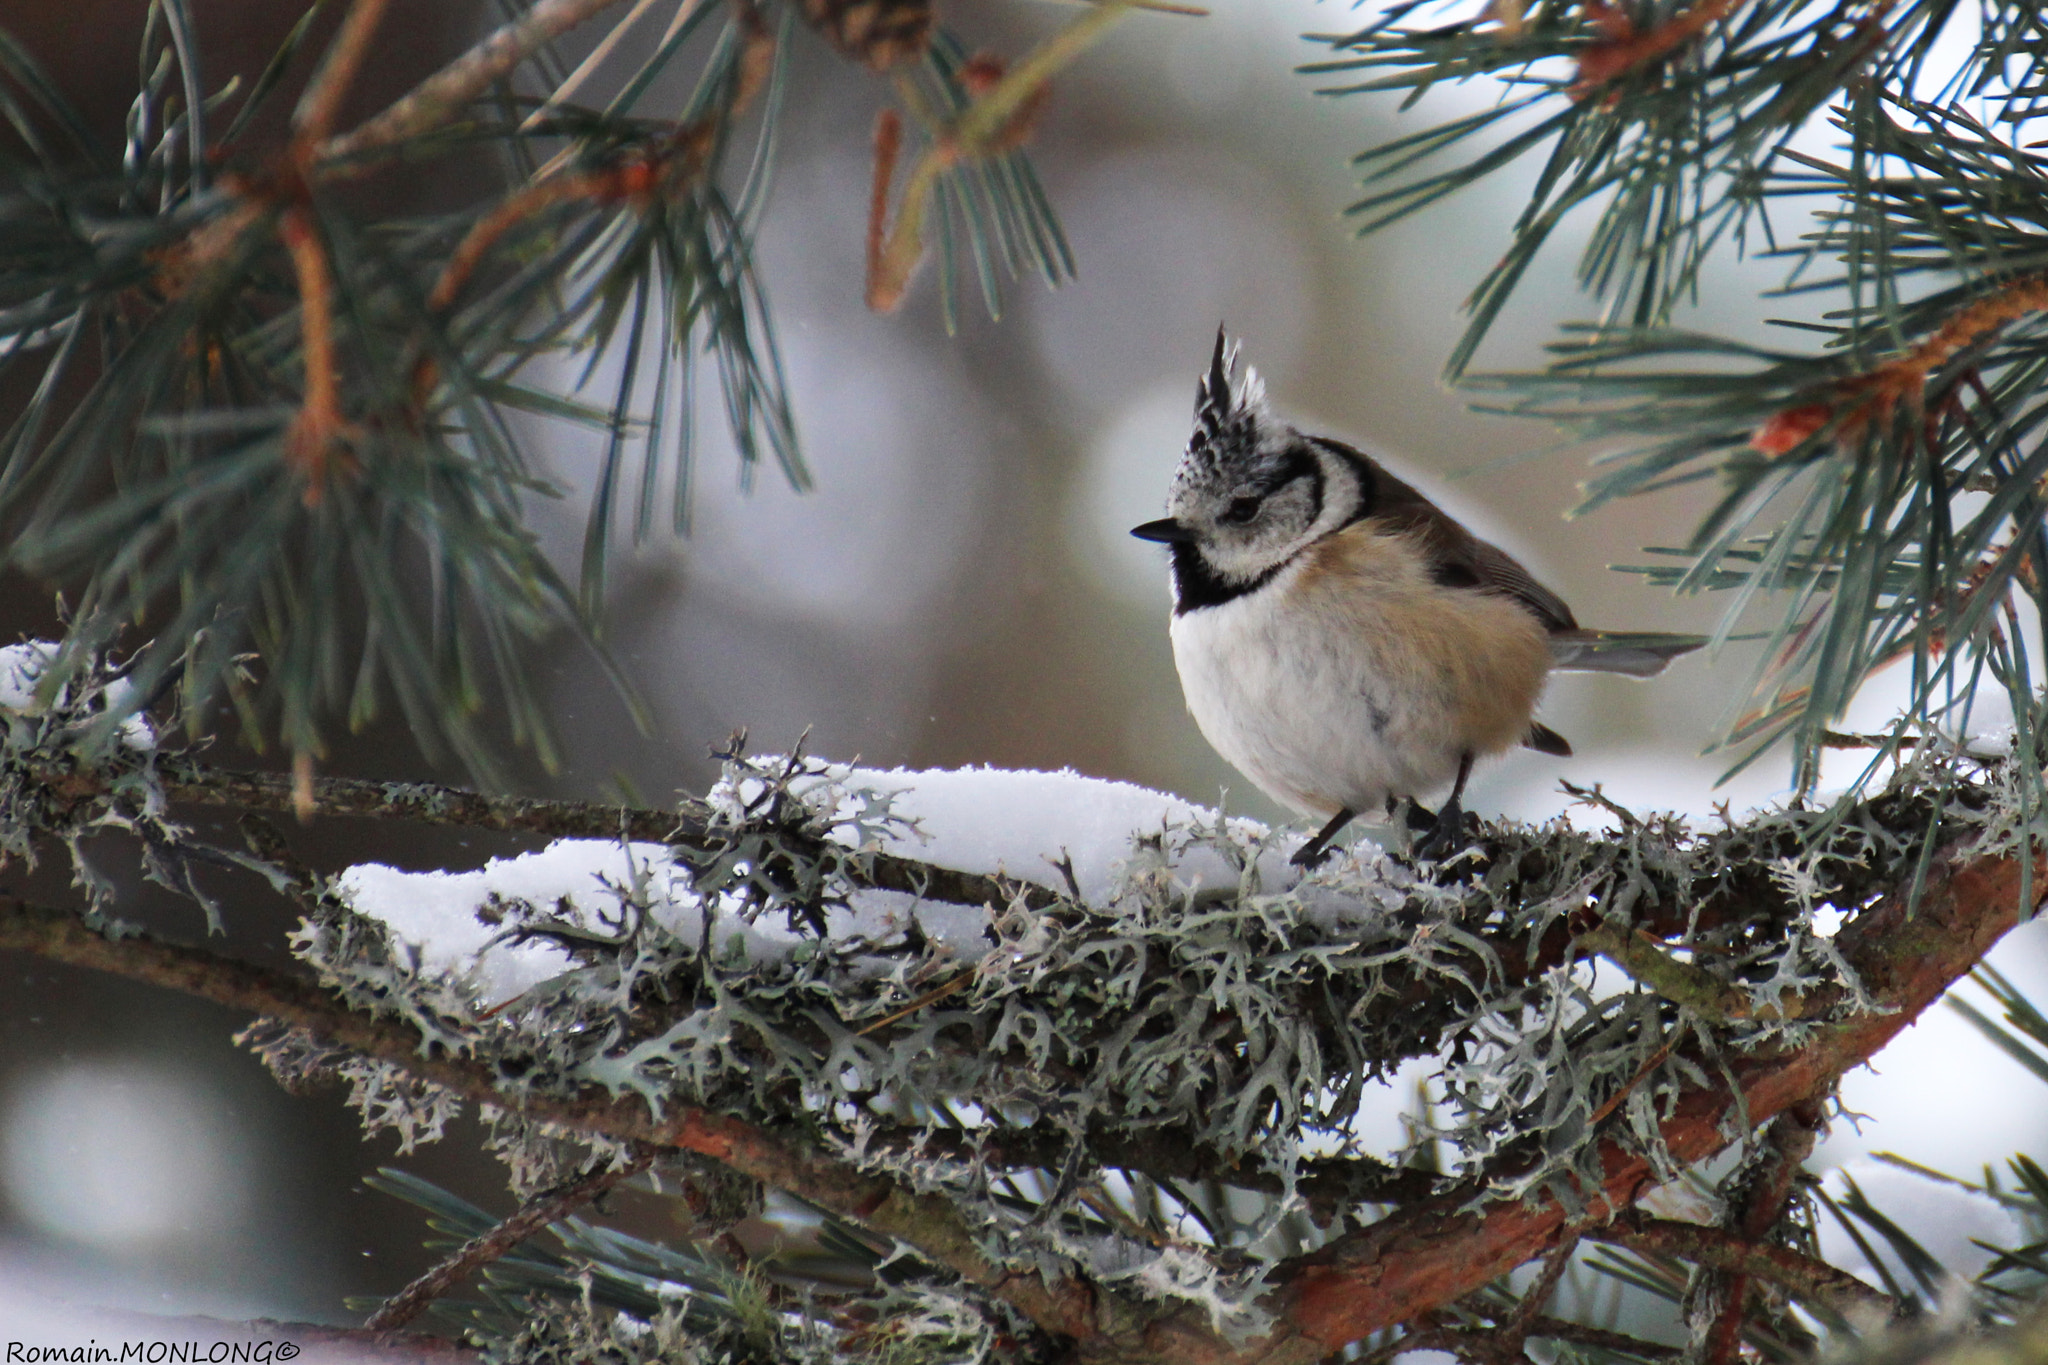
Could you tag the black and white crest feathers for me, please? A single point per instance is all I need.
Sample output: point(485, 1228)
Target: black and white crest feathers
point(1230, 408)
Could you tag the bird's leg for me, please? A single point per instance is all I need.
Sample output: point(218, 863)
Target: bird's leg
point(1450, 821)
point(1318, 848)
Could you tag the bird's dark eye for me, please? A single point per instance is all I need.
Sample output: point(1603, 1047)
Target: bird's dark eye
point(1240, 511)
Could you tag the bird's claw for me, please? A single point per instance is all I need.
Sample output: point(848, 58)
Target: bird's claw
point(1447, 834)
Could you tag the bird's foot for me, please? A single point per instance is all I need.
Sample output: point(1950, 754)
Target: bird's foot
point(1313, 853)
point(1448, 833)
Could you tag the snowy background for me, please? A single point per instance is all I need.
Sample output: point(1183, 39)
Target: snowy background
point(959, 590)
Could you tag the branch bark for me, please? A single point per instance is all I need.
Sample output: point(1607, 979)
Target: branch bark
point(444, 94)
point(927, 1222)
point(1435, 1251)
point(1428, 1253)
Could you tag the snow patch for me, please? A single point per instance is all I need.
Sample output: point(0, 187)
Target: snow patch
point(22, 667)
point(1023, 825)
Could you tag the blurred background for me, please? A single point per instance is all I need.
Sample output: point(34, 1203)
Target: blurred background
point(960, 588)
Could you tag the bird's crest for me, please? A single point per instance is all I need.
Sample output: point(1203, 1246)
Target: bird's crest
point(1229, 407)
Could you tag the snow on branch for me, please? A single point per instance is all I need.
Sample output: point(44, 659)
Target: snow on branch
point(1116, 986)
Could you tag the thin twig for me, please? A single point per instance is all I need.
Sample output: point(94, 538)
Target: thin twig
point(1720, 1249)
point(1557, 1329)
point(1517, 1329)
point(606, 45)
point(888, 146)
point(448, 91)
point(1622, 49)
point(541, 1212)
point(313, 121)
point(1718, 1299)
point(953, 987)
point(993, 123)
point(317, 431)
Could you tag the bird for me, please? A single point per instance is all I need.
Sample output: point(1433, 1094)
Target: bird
point(1343, 641)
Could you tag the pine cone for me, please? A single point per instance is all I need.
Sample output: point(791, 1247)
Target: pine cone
point(880, 33)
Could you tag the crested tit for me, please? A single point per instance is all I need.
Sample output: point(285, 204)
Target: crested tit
point(1341, 640)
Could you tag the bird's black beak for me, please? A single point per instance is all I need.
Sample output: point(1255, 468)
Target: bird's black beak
point(1166, 531)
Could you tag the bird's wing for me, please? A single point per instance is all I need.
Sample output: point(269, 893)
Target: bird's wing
point(1457, 558)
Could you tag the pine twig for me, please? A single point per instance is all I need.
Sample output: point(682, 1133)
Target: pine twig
point(1861, 402)
point(541, 1212)
point(1721, 1249)
point(1517, 1330)
point(995, 122)
point(1622, 49)
point(1718, 1300)
point(1636, 953)
point(313, 121)
point(1557, 1329)
point(318, 431)
point(448, 91)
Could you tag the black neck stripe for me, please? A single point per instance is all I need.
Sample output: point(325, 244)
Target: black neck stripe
point(1196, 585)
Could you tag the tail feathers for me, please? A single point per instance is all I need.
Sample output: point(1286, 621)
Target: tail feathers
point(1639, 654)
point(1545, 740)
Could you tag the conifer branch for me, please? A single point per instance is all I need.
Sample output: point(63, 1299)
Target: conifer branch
point(541, 1212)
point(1431, 1252)
point(313, 121)
point(1435, 1251)
point(1731, 1252)
point(187, 782)
point(1717, 1301)
point(928, 1222)
point(1622, 49)
point(443, 95)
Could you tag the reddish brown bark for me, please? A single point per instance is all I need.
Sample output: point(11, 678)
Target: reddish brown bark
point(1421, 1257)
point(1430, 1253)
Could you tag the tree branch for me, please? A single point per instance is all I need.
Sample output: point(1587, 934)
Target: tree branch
point(1430, 1252)
point(541, 1212)
point(320, 106)
point(1717, 1301)
point(1720, 1249)
point(448, 91)
point(1621, 49)
point(189, 783)
point(928, 1222)
point(1436, 1251)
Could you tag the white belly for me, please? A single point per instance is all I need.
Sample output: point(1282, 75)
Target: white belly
point(1324, 706)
